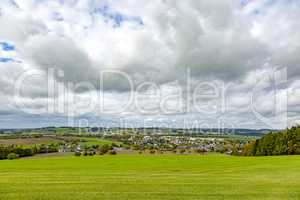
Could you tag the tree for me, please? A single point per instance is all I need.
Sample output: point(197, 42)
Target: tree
point(201, 151)
point(182, 151)
point(286, 142)
point(104, 149)
point(112, 152)
point(77, 153)
point(152, 151)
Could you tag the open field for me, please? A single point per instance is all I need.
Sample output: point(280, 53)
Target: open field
point(88, 141)
point(151, 177)
point(29, 141)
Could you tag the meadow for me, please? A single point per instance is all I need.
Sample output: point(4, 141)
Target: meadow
point(29, 141)
point(150, 177)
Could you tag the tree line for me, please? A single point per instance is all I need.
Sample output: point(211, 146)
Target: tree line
point(9, 151)
point(285, 142)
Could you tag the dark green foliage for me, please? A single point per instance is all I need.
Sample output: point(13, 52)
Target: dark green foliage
point(25, 151)
point(77, 153)
point(182, 151)
point(152, 151)
point(4, 151)
point(112, 152)
point(104, 149)
point(200, 151)
point(282, 143)
point(96, 146)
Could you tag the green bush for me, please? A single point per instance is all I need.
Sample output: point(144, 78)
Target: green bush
point(12, 156)
point(77, 153)
point(182, 151)
point(104, 149)
point(112, 152)
point(200, 151)
point(152, 151)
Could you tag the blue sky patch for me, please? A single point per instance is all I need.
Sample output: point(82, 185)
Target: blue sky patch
point(5, 60)
point(116, 17)
point(7, 47)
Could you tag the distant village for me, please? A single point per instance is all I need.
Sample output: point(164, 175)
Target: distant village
point(95, 141)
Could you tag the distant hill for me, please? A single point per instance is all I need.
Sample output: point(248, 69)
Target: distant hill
point(242, 132)
point(143, 130)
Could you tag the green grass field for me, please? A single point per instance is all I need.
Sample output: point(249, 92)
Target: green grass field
point(29, 141)
point(95, 141)
point(151, 177)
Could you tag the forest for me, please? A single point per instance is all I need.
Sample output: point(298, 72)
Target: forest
point(285, 142)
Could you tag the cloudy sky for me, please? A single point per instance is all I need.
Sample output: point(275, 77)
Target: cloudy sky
point(208, 63)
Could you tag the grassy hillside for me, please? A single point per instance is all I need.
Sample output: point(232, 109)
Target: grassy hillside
point(151, 177)
point(29, 141)
point(95, 141)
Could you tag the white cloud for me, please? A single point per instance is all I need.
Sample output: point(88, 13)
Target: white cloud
point(157, 41)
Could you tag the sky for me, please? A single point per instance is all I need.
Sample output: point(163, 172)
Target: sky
point(133, 63)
